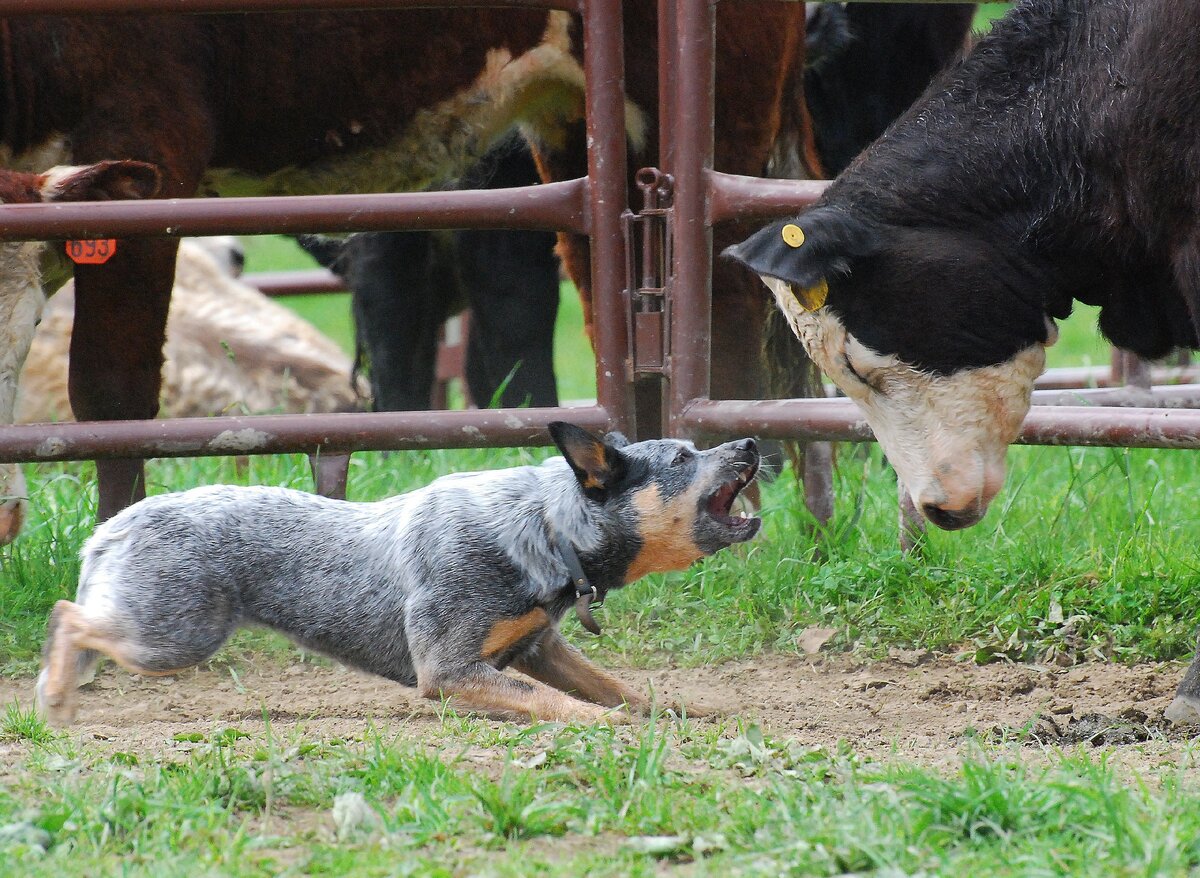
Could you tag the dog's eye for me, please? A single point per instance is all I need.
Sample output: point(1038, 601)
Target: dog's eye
point(682, 456)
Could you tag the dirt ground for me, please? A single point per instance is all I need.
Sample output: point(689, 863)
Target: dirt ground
point(915, 706)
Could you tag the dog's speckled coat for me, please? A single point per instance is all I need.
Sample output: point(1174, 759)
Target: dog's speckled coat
point(439, 588)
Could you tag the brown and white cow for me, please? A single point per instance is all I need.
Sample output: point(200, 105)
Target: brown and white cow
point(21, 297)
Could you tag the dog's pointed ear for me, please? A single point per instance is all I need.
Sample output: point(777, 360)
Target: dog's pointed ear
point(809, 250)
point(597, 463)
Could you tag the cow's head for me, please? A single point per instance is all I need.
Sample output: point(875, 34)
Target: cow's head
point(936, 334)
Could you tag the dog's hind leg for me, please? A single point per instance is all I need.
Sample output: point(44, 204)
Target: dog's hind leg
point(478, 685)
point(558, 664)
point(77, 638)
point(62, 659)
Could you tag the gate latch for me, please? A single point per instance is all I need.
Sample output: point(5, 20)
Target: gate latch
point(647, 267)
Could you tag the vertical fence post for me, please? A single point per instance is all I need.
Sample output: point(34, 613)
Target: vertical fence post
point(604, 67)
point(689, 132)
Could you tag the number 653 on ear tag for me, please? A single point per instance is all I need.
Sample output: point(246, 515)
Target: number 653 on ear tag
point(95, 252)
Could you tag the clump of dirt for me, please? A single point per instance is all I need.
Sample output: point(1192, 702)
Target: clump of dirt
point(1130, 726)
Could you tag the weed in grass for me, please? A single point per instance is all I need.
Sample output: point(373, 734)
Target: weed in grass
point(25, 725)
point(515, 806)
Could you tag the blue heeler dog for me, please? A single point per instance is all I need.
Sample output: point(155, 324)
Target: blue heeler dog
point(440, 588)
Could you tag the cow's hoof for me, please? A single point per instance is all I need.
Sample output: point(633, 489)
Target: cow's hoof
point(1184, 710)
point(12, 519)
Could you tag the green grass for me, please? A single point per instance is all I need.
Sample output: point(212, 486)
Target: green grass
point(1106, 535)
point(988, 12)
point(590, 801)
point(1086, 553)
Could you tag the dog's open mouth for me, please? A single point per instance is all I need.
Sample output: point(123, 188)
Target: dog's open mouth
point(719, 505)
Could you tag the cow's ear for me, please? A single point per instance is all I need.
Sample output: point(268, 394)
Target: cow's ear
point(597, 463)
point(806, 251)
point(103, 181)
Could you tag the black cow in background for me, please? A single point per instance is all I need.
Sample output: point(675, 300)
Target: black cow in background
point(869, 62)
point(405, 285)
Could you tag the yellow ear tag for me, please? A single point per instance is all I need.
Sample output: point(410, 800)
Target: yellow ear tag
point(793, 235)
point(812, 298)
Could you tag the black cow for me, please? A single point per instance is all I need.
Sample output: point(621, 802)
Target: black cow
point(405, 285)
point(867, 63)
point(1060, 161)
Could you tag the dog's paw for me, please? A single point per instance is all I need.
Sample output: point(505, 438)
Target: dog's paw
point(58, 708)
point(699, 711)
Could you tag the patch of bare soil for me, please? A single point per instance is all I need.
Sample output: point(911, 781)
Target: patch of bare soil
point(918, 707)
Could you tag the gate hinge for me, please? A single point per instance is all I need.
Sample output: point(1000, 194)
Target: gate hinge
point(647, 275)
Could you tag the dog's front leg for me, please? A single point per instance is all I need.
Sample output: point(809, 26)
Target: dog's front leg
point(480, 686)
point(562, 666)
point(558, 664)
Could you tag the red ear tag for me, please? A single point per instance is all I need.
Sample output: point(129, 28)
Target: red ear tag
point(91, 252)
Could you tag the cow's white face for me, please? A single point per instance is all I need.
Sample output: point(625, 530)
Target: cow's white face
point(946, 435)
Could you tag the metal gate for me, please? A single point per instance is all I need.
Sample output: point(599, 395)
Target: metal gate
point(591, 206)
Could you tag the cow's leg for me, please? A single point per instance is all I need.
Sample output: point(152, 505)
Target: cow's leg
point(1186, 706)
point(398, 307)
point(121, 306)
point(20, 306)
point(511, 281)
point(116, 351)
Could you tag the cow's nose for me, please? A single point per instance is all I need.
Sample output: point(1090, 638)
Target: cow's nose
point(951, 519)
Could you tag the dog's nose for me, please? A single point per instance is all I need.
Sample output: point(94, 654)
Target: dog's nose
point(951, 519)
point(747, 445)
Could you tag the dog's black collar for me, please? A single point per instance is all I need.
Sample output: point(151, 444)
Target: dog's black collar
point(586, 594)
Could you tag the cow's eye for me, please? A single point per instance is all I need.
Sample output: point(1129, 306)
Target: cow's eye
point(682, 456)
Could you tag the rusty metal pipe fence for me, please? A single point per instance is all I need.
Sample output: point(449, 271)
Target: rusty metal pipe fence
point(591, 206)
